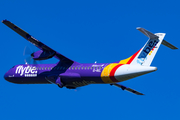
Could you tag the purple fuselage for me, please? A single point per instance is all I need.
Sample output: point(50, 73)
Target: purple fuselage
point(72, 76)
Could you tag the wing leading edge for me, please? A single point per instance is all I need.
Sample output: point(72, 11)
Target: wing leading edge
point(36, 42)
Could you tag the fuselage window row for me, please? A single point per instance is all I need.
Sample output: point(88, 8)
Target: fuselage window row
point(70, 68)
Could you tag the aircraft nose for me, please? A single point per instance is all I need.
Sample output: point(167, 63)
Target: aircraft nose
point(8, 76)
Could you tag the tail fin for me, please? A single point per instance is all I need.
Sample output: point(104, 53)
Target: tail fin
point(147, 53)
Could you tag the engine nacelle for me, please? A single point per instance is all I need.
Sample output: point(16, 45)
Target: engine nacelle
point(42, 55)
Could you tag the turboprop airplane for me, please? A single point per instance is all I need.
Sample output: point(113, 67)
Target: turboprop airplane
point(71, 74)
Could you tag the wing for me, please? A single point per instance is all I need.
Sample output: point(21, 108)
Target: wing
point(126, 88)
point(37, 43)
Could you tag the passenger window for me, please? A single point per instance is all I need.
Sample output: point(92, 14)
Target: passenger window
point(69, 68)
point(72, 68)
point(88, 68)
point(79, 68)
point(45, 68)
point(49, 68)
point(85, 68)
point(76, 68)
point(82, 68)
point(42, 68)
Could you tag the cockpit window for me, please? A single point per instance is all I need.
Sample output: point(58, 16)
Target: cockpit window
point(13, 66)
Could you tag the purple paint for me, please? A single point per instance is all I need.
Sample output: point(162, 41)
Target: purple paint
point(66, 73)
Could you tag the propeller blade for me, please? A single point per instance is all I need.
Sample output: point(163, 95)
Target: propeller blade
point(28, 56)
point(28, 60)
point(27, 51)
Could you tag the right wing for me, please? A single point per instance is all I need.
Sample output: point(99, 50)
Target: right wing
point(37, 43)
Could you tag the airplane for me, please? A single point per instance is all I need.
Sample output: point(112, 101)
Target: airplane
point(71, 74)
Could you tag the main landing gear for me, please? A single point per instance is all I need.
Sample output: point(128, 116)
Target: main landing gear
point(60, 85)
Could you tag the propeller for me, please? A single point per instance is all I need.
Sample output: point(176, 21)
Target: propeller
point(29, 54)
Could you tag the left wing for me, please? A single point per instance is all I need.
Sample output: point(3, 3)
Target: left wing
point(127, 89)
point(37, 43)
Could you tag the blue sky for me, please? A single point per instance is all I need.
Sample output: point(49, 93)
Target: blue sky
point(89, 31)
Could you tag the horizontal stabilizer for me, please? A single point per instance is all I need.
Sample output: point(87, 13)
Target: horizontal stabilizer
point(147, 33)
point(153, 36)
point(127, 89)
point(168, 45)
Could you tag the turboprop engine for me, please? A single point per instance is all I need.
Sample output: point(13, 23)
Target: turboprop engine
point(42, 55)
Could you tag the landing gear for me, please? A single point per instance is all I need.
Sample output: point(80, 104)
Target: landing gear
point(59, 83)
point(61, 86)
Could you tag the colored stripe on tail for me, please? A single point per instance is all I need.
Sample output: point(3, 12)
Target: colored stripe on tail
point(147, 53)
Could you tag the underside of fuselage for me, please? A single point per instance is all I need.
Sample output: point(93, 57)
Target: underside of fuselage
point(75, 76)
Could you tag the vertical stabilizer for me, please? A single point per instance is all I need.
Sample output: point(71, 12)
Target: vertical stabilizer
point(149, 50)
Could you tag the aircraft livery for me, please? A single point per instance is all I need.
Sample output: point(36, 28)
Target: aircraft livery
point(71, 74)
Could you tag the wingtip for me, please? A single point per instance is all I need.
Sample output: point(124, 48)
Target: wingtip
point(4, 20)
point(140, 94)
point(175, 48)
point(139, 28)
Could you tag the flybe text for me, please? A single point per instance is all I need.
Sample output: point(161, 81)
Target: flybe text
point(148, 48)
point(27, 71)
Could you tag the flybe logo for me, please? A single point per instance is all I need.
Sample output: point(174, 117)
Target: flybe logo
point(28, 71)
point(148, 48)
